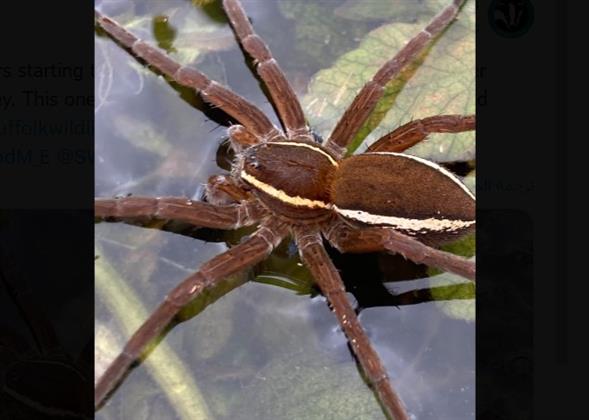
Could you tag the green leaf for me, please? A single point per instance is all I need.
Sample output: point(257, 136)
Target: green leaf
point(470, 181)
point(464, 246)
point(455, 302)
point(441, 81)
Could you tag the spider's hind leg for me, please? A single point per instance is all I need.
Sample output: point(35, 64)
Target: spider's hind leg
point(415, 131)
point(373, 239)
point(329, 281)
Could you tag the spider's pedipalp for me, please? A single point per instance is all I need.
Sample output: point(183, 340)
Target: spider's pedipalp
point(241, 138)
point(222, 190)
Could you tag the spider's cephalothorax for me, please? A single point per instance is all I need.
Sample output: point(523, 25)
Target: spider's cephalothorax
point(303, 182)
point(292, 179)
point(285, 184)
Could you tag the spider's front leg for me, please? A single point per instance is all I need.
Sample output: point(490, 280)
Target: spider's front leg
point(234, 105)
point(283, 96)
point(329, 281)
point(372, 239)
point(181, 209)
point(248, 253)
point(416, 131)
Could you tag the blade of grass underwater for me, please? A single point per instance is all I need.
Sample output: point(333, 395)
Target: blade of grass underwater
point(163, 364)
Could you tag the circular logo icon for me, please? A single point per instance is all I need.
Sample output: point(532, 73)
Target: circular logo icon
point(511, 18)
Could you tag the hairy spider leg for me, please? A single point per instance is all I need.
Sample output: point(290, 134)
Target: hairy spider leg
point(365, 101)
point(212, 92)
point(407, 135)
point(372, 239)
point(258, 246)
point(180, 209)
point(248, 253)
point(329, 281)
point(285, 100)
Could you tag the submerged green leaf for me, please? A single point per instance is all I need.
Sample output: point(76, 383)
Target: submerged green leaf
point(470, 181)
point(441, 81)
point(464, 246)
point(456, 302)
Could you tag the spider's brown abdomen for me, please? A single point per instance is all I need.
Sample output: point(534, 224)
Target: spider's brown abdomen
point(410, 194)
point(291, 178)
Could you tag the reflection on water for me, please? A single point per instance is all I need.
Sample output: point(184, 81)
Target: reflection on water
point(261, 351)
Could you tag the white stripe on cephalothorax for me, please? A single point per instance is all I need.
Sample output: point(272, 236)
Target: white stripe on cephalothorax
point(431, 164)
point(281, 195)
point(308, 146)
point(426, 225)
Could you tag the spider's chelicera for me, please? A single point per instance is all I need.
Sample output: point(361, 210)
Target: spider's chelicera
point(287, 184)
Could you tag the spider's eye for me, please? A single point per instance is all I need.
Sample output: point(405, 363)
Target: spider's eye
point(317, 137)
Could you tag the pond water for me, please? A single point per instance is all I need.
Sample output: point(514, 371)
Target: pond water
point(270, 348)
